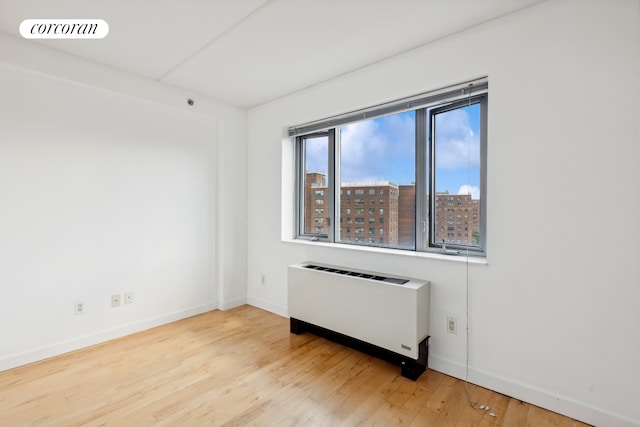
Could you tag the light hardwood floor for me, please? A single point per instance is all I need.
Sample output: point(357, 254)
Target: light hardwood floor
point(242, 367)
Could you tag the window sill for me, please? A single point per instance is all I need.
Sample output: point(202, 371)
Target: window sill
point(395, 252)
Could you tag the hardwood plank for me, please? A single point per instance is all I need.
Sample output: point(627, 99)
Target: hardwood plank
point(242, 367)
point(516, 414)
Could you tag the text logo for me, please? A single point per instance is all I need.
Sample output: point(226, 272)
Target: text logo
point(64, 29)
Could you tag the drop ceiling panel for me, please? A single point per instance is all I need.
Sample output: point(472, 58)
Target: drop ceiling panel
point(248, 52)
point(147, 37)
point(293, 44)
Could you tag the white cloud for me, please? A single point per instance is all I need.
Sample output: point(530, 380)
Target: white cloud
point(378, 150)
point(457, 146)
point(470, 189)
point(317, 155)
point(359, 141)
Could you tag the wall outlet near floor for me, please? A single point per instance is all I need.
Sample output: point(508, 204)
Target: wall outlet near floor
point(115, 300)
point(128, 297)
point(452, 325)
point(79, 308)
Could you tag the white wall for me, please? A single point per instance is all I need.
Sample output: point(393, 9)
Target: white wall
point(111, 183)
point(554, 312)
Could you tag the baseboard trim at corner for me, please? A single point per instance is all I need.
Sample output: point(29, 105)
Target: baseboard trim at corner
point(227, 305)
point(544, 399)
point(264, 305)
point(46, 352)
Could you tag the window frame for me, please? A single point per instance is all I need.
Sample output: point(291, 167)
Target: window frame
point(482, 100)
point(300, 187)
point(426, 106)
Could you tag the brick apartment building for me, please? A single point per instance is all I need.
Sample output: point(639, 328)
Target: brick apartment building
point(316, 204)
point(383, 213)
point(369, 213)
point(457, 218)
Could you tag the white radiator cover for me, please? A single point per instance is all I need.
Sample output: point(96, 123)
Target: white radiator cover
point(394, 317)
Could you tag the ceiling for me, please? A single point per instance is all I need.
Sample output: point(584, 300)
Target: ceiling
point(249, 52)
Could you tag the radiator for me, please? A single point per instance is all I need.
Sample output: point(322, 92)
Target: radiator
point(387, 313)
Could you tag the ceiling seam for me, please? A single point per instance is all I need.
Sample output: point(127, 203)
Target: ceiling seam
point(215, 39)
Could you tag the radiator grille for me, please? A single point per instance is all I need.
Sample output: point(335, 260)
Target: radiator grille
point(393, 280)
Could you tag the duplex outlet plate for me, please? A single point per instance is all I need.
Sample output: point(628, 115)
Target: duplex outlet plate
point(452, 325)
point(115, 300)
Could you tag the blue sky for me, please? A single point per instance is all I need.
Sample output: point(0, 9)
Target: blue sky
point(383, 149)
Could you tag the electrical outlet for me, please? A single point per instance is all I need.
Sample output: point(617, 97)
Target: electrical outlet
point(115, 300)
point(452, 325)
point(128, 297)
point(79, 308)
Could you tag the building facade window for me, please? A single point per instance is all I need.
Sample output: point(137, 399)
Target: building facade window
point(426, 172)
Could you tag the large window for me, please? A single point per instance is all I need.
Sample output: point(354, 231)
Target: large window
point(416, 168)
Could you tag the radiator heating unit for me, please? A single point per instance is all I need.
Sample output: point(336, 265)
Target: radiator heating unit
point(384, 315)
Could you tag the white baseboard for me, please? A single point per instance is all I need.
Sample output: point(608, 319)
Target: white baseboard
point(526, 393)
point(226, 305)
point(100, 337)
point(264, 305)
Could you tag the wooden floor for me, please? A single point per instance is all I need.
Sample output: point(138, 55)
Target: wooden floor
point(236, 368)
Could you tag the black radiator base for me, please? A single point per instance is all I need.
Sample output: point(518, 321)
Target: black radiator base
point(410, 368)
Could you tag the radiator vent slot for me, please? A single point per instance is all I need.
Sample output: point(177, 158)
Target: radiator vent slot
point(393, 280)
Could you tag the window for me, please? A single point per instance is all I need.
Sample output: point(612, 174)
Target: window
point(419, 167)
point(314, 156)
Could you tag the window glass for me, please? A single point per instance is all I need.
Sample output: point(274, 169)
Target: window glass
point(316, 167)
point(456, 147)
point(377, 160)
